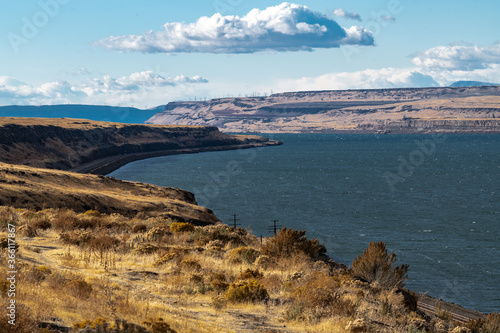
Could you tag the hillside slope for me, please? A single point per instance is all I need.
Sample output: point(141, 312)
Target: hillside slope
point(465, 110)
point(34, 188)
point(100, 147)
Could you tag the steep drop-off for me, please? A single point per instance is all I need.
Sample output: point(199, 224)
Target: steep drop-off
point(100, 147)
point(446, 110)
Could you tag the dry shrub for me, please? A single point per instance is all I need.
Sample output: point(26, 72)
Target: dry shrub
point(158, 233)
point(249, 274)
point(246, 291)
point(218, 282)
point(79, 289)
point(76, 237)
point(490, 324)
point(158, 325)
point(215, 251)
point(36, 274)
point(92, 212)
point(176, 254)
point(289, 242)
point(219, 302)
point(375, 265)
point(27, 231)
point(190, 265)
point(265, 262)
point(318, 297)
point(225, 235)
point(272, 282)
point(41, 224)
point(64, 220)
point(139, 228)
point(146, 249)
point(181, 227)
point(243, 254)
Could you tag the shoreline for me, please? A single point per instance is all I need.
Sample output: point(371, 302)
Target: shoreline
point(107, 165)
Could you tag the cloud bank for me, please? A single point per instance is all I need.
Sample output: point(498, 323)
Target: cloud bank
point(286, 27)
point(340, 12)
point(367, 79)
point(465, 57)
point(138, 89)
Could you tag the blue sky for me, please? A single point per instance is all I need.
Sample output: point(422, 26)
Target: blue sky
point(147, 53)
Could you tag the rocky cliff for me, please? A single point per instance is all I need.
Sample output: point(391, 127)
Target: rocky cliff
point(346, 110)
point(99, 147)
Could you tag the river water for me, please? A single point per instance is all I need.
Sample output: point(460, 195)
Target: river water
point(435, 200)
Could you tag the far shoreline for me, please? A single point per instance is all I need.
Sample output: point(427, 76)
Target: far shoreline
point(107, 165)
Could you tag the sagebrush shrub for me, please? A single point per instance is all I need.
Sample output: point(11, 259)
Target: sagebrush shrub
point(264, 262)
point(376, 265)
point(190, 265)
point(249, 274)
point(490, 324)
point(289, 242)
point(92, 212)
point(79, 289)
point(318, 296)
point(243, 254)
point(181, 227)
point(218, 282)
point(247, 291)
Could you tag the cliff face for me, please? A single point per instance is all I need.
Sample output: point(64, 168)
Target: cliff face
point(68, 144)
point(343, 110)
point(34, 188)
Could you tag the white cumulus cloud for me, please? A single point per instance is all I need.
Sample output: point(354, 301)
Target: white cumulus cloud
point(285, 27)
point(340, 12)
point(138, 89)
point(366, 79)
point(461, 56)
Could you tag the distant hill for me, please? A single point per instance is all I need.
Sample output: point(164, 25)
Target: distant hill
point(472, 84)
point(127, 115)
point(408, 110)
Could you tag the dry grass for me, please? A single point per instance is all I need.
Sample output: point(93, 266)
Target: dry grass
point(83, 274)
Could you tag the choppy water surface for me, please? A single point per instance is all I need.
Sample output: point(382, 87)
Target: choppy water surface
point(435, 201)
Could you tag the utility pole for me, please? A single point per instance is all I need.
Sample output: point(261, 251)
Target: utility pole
point(234, 221)
point(275, 227)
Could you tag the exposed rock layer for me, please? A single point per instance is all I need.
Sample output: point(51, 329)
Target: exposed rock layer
point(412, 110)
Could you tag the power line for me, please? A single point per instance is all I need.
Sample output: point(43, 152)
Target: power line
point(274, 228)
